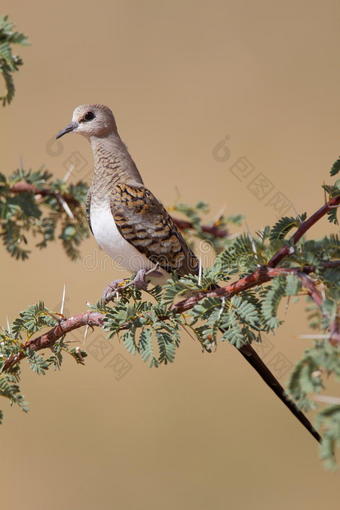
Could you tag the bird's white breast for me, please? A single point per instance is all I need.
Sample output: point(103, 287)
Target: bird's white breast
point(113, 243)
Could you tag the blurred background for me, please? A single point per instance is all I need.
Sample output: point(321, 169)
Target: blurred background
point(232, 102)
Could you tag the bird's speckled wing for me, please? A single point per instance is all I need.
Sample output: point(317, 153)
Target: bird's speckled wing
point(144, 223)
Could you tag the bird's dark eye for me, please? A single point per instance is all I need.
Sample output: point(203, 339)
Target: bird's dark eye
point(88, 116)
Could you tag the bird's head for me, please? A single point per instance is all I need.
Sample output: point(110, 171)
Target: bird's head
point(91, 120)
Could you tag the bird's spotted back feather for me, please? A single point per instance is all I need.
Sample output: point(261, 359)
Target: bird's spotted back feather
point(143, 222)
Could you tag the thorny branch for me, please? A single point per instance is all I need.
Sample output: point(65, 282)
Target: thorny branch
point(306, 225)
point(258, 277)
point(22, 186)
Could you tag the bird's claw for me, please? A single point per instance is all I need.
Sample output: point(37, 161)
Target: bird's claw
point(140, 281)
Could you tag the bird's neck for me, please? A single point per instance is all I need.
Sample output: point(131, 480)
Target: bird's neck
point(112, 164)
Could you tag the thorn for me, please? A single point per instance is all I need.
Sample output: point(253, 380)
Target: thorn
point(316, 374)
point(63, 300)
point(327, 399)
point(68, 173)
point(199, 271)
point(316, 337)
point(85, 333)
point(253, 245)
point(178, 194)
point(8, 324)
point(219, 215)
point(66, 207)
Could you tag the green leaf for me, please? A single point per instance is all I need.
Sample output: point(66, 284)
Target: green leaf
point(332, 215)
point(37, 363)
point(10, 389)
point(234, 333)
point(271, 301)
point(33, 319)
point(129, 341)
point(245, 310)
point(293, 284)
point(284, 225)
point(9, 63)
point(145, 346)
point(166, 346)
point(335, 167)
point(26, 203)
point(329, 420)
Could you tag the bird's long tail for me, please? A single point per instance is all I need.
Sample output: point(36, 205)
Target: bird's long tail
point(256, 362)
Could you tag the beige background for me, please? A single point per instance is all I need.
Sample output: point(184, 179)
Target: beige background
point(205, 432)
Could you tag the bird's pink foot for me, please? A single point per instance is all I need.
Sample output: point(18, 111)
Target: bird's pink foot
point(143, 276)
point(140, 281)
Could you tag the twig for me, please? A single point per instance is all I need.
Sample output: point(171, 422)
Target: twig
point(306, 225)
point(49, 339)
point(23, 186)
point(259, 277)
point(312, 289)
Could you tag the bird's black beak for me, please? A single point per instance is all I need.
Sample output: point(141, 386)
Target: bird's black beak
point(68, 129)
